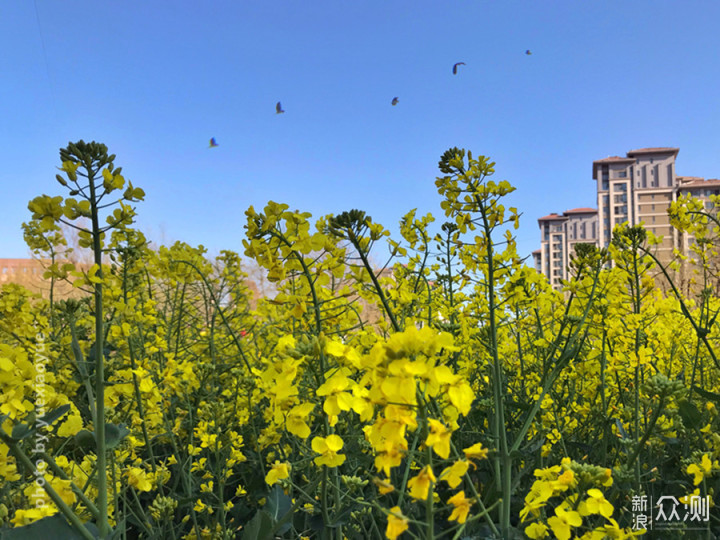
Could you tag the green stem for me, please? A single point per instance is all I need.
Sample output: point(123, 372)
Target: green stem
point(103, 525)
point(71, 516)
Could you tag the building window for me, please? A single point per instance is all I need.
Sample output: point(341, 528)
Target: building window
point(622, 174)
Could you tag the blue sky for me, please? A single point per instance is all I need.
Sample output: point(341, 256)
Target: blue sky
point(155, 80)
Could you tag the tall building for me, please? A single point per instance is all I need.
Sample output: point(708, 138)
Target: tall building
point(559, 234)
point(637, 188)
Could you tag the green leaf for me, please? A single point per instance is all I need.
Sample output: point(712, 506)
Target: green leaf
point(712, 396)
point(621, 429)
point(85, 439)
point(54, 527)
point(259, 527)
point(20, 431)
point(114, 434)
point(689, 413)
point(53, 416)
point(279, 506)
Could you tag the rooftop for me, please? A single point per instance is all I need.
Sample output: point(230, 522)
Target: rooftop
point(654, 150)
point(613, 159)
point(581, 211)
point(552, 217)
point(683, 179)
point(700, 183)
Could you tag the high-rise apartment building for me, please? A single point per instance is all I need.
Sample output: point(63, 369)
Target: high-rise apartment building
point(559, 234)
point(637, 188)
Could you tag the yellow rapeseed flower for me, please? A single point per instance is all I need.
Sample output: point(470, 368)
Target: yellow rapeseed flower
point(138, 479)
point(563, 522)
point(279, 471)
point(536, 531)
point(462, 507)
point(476, 451)
point(384, 486)
point(296, 420)
point(422, 483)
point(596, 503)
point(702, 470)
point(397, 523)
point(328, 447)
point(439, 438)
point(453, 475)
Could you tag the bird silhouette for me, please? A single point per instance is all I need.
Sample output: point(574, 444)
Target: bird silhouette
point(213, 143)
point(455, 67)
point(528, 52)
point(278, 108)
point(395, 101)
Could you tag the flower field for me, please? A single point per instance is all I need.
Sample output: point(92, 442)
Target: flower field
point(453, 395)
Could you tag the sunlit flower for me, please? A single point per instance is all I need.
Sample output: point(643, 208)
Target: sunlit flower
point(453, 475)
point(397, 523)
point(328, 447)
point(422, 483)
point(279, 471)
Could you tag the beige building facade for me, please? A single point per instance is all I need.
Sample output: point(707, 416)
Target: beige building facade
point(637, 188)
point(559, 234)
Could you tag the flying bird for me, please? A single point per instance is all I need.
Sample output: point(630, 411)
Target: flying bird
point(278, 108)
point(455, 67)
point(395, 101)
point(213, 143)
point(528, 52)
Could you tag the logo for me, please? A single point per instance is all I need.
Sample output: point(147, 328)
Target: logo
point(669, 513)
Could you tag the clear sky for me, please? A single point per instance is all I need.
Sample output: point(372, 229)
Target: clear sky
point(156, 80)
